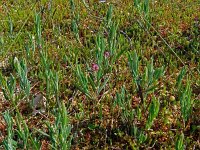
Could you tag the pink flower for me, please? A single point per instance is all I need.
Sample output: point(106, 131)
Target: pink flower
point(106, 54)
point(95, 67)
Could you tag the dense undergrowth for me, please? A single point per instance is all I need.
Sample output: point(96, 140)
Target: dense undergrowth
point(93, 74)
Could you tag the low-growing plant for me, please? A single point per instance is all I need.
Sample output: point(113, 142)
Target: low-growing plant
point(59, 133)
point(30, 46)
point(153, 112)
point(82, 81)
point(10, 24)
point(22, 71)
point(143, 7)
point(184, 95)
point(97, 77)
point(180, 142)
point(22, 131)
point(109, 16)
point(38, 29)
point(8, 86)
point(147, 81)
point(186, 101)
point(45, 64)
point(142, 137)
point(123, 101)
point(75, 20)
point(180, 78)
point(9, 142)
point(55, 84)
point(75, 30)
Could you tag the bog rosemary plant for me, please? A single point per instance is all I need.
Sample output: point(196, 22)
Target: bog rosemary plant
point(75, 19)
point(9, 143)
point(186, 101)
point(60, 132)
point(180, 78)
point(151, 76)
point(179, 145)
point(30, 46)
point(147, 81)
point(122, 100)
point(143, 9)
point(10, 24)
point(112, 39)
point(75, 30)
point(22, 71)
point(109, 16)
point(184, 95)
point(106, 54)
point(55, 79)
point(102, 63)
point(38, 29)
point(134, 66)
point(22, 132)
point(143, 6)
point(95, 80)
point(8, 86)
point(82, 81)
point(153, 112)
point(46, 72)
point(142, 137)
